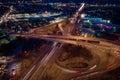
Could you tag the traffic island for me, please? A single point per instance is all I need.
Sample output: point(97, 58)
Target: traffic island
point(74, 57)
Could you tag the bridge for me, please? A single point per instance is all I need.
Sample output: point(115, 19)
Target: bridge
point(40, 66)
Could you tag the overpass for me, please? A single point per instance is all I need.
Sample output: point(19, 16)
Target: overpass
point(114, 49)
point(80, 38)
point(75, 40)
point(69, 39)
point(72, 38)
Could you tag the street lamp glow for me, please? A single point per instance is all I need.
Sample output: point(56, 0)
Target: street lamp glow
point(108, 21)
point(82, 15)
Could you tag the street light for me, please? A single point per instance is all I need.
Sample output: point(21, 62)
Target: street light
point(82, 16)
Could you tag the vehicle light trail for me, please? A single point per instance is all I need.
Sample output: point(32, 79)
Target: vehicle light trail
point(28, 74)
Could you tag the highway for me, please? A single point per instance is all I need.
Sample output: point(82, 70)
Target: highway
point(41, 67)
point(68, 38)
point(34, 65)
point(107, 54)
point(107, 60)
point(106, 63)
point(75, 20)
point(85, 39)
point(77, 40)
point(45, 60)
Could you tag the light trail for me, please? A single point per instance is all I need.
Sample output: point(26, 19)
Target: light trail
point(28, 74)
point(93, 67)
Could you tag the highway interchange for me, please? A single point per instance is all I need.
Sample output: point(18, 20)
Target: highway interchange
point(106, 61)
point(107, 55)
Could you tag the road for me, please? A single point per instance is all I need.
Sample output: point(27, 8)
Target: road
point(41, 67)
point(75, 40)
point(32, 68)
point(35, 71)
point(112, 64)
point(42, 64)
point(70, 38)
point(106, 62)
point(102, 45)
